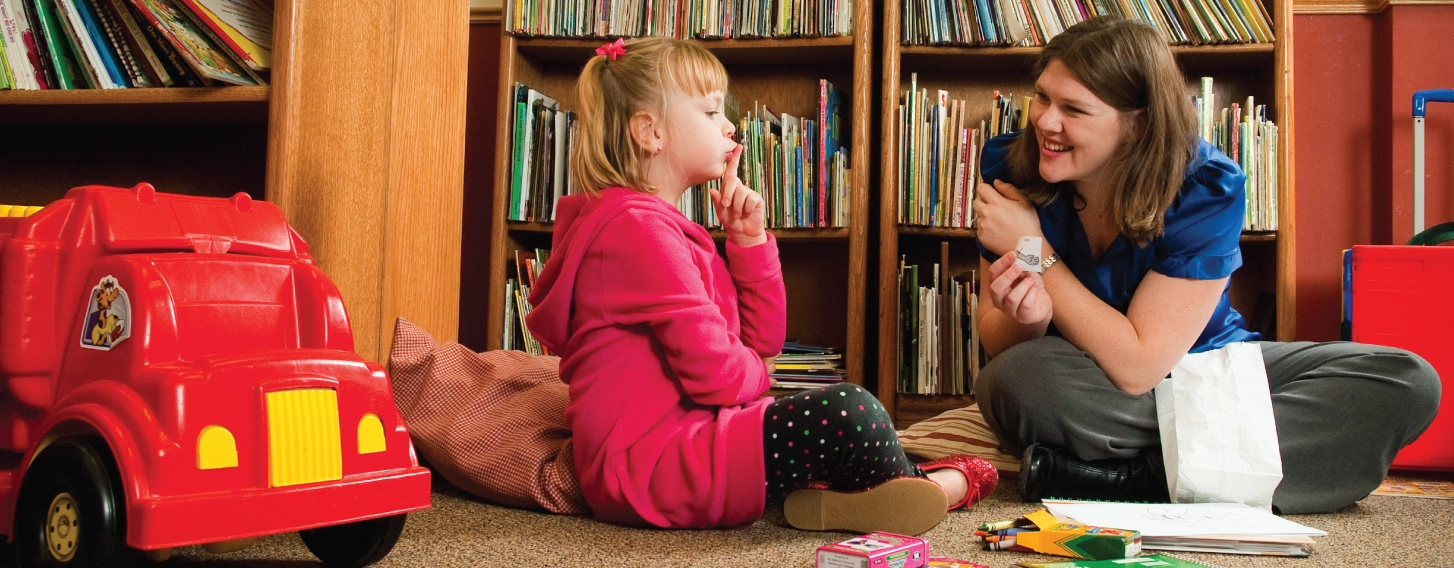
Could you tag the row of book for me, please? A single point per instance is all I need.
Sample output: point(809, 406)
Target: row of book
point(939, 152)
point(938, 338)
point(682, 19)
point(539, 155)
point(1244, 133)
point(798, 164)
point(528, 265)
point(117, 44)
point(1034, 22)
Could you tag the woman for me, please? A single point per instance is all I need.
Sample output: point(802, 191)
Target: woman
point(1141, 223)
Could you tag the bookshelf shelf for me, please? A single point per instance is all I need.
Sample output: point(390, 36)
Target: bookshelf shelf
point(826, 270)
point(201, 105)
point(1263, 290)
point(943, 232)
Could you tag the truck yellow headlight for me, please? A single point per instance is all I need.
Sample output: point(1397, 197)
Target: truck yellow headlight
point(216, 448)
point(370, 434)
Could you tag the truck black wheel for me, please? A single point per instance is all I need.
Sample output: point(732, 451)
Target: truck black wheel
point(354, 545)
point(71, 511)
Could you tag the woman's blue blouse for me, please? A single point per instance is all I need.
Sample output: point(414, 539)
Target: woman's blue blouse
point(1202, 239)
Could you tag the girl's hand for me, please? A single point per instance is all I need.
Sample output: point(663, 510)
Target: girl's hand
point(1002, 216)
point(739, 208)
point(1018, 293)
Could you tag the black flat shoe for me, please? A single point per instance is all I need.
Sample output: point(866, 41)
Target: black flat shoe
point(1048, 471)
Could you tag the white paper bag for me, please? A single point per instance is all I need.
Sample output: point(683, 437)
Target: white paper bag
point(1218, 435)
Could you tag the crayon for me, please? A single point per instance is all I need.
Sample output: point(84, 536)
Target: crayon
point(1006, 545)
point(1001, 525)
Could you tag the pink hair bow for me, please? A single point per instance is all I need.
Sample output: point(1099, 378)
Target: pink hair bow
point(613, 50)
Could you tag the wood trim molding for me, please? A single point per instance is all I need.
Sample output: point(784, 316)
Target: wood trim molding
point(487, 11)
point(1358, 6)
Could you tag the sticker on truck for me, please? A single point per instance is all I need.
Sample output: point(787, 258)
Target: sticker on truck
point(108, 318)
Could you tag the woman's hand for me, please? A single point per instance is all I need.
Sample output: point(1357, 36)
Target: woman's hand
point(1002, 216)
point(1018, 293)
point(739, 208)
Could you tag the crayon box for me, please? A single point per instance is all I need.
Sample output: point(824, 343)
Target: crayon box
point(875, 550)
point(1078, 541)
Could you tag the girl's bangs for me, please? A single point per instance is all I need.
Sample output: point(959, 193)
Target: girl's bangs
point(695, 70)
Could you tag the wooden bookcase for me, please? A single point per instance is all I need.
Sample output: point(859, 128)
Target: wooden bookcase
point(973, 74)
point(826, 270)
point(362, 147)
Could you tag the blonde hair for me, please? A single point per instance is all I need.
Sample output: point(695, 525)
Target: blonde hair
point(1128, 66)
point(611, 92)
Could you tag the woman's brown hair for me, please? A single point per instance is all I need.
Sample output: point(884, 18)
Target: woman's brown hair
point(610, 92)
point(1128, 66)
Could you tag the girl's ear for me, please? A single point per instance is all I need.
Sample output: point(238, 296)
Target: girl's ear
point(645, 130)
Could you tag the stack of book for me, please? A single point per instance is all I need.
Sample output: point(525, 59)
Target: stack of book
point(540, 155)
point(1034, 22)
point(939, 151)
point(798, 164)
point(682, 19)
point(1244, 133)
point(118, 44)
point(802, 366)
point(517, 304)
point(938, 336)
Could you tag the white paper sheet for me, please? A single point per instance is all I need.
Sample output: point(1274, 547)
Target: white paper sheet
point(1180, 519)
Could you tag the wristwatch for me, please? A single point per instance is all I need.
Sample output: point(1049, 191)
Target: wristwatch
point(1048, 262)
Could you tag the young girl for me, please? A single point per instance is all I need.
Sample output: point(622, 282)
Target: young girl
point(1141, 223)
point(667, 349)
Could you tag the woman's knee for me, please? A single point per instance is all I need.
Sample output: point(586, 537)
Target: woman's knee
point(1422, 391)
point(1024, 374)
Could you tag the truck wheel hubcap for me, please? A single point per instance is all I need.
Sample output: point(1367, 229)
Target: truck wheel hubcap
point(62, 527)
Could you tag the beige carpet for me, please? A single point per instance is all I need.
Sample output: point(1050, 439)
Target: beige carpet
point(462, 531)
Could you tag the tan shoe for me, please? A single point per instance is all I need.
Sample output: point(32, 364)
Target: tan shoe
point(903, 505)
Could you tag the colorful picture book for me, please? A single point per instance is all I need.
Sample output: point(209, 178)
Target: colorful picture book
point(117, 44)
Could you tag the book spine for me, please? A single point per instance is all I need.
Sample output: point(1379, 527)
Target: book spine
point(136, 42)
point(86, 56)
point(22, 75)
point(182, 73)
point(110, 62)
point(114, 38)
point(35, 43)
point(5, 80)
point(822, 165)
point(68, 75)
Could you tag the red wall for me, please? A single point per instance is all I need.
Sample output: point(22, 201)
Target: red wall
point(1353, 83)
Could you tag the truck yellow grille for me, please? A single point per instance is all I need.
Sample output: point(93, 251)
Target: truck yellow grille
point(303, 438)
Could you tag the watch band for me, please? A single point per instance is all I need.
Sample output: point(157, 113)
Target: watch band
point(1048, 262)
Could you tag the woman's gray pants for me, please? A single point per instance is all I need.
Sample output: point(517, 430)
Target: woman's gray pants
point(1343, 410)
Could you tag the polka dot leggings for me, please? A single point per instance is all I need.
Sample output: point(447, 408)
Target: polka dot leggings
point(839, 434)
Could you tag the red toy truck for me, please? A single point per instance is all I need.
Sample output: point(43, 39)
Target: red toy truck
point(174, 370)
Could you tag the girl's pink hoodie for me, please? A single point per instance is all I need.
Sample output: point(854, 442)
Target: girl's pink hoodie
point(661, 342)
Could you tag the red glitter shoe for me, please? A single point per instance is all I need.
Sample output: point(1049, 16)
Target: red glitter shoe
point(981, 476)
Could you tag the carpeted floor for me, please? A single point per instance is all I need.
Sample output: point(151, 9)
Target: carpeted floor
point(462, 531)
